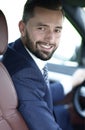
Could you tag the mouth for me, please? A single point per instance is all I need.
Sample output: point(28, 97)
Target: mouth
point(46, 46)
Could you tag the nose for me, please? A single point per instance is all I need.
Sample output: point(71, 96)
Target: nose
point(50, 37)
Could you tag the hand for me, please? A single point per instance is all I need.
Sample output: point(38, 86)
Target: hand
point(78, 77)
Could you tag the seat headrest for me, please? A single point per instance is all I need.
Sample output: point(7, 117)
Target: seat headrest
point(3, 33)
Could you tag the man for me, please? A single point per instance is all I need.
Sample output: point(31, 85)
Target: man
point(40, 29)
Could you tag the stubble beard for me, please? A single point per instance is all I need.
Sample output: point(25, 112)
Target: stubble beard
point(39, 54)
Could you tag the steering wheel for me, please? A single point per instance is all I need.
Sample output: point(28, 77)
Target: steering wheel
point(79, 100)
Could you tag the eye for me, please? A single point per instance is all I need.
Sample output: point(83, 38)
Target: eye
point(58, 30)
point(41, 28)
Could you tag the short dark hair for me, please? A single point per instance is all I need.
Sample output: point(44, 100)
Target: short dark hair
point(31, 4)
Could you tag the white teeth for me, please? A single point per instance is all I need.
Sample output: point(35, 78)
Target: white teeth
point(45, 46)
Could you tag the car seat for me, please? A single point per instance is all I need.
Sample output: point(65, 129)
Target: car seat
point(10, 118)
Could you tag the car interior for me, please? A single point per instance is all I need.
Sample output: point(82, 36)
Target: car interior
point(10, 118)
point(63, 69)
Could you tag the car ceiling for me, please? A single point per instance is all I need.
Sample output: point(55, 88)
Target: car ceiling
point(75, 2)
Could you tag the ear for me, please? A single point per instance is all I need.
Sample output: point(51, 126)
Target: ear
point(22, 28)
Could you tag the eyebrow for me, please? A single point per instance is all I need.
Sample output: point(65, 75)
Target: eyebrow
point(59, 27)
point(45, 25)
point(41, 24)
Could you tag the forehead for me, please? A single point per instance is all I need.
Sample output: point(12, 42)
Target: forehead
point(46, 15)
point(43, 12)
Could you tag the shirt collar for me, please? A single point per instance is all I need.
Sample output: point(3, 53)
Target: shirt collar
point(40, 63)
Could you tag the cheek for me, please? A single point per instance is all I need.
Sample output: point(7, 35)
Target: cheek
point(57, 41)
point(36, 36)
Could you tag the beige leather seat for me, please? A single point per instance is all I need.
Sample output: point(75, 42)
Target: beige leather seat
point(10, 118)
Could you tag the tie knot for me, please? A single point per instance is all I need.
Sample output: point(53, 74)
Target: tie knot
point(45, 69)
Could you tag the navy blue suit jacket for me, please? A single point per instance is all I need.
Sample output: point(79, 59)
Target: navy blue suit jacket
point(35, 98)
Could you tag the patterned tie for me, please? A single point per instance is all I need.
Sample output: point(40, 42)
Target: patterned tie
point(45, 75)
point(48, 92)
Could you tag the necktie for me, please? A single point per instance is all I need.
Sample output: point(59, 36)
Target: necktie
point(48, 93)
point(45, 75)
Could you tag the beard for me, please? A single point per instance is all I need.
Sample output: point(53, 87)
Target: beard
point(33, 48)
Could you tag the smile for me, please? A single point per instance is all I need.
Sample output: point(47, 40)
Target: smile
point(46, 46)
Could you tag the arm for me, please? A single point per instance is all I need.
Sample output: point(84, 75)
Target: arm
point(78, 77)
point(57, 91)
point(32, 104)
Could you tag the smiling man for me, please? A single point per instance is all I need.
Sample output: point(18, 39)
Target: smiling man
point(41, 34)
point(40, 29)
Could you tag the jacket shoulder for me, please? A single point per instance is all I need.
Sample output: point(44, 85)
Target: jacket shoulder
point(12, 59)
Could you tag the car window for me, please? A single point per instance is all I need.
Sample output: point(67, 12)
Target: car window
point(69, 44)
point(13, 13)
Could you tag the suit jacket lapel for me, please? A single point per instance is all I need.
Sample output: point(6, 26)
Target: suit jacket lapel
point(23, 52)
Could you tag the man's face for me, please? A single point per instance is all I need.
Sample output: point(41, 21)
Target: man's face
point(42, 32)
